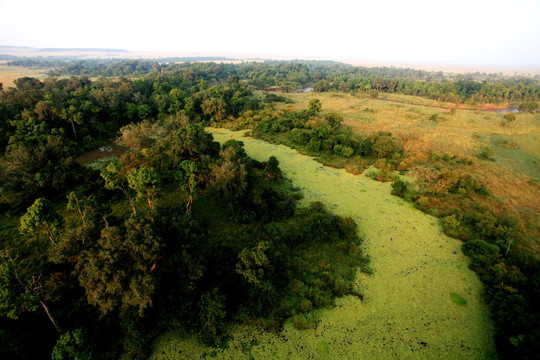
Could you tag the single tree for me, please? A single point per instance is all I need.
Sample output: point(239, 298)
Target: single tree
point(314, 106)
point(40, 217)
point(18, 296)
point(145, 182)
point(187, 175)
point(114, 180)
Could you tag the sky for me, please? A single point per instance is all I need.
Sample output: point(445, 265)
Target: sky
point(479, 33)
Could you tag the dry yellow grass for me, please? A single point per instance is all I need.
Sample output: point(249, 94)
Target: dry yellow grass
point(460, 133)
point(10, 73)
point(514, 176)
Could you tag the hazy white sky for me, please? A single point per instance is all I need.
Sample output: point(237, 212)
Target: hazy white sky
point(458, 32)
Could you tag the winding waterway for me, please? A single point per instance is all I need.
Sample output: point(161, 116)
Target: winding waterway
point(407, 311)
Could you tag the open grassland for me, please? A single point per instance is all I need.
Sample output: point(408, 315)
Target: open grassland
point(417, 100)
point(10, 73)
point(422, 301)
point(506, 154)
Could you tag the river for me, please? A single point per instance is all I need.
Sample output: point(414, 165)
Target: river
point(407, 311)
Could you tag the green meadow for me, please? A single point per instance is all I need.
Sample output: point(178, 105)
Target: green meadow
point(421, 302)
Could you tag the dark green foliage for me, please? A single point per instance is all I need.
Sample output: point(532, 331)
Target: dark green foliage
point(40, 216)
point(479, 250)
point(73, 345)
point(467, 184)
point(212, 315)
point(403, 190)
point(322, 75)
point(270, 98)
point(237, 253)
point(273, 172)
point(115, 272)
point(333, 119)
point(14, 298)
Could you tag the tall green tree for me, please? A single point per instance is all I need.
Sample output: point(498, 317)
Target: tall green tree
point(187, 175)
point(145, 182)
point(116, 272)
point(40, 217)
point(114, 180)
point(18, 295)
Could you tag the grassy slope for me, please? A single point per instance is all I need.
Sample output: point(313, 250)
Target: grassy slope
point(408, 311)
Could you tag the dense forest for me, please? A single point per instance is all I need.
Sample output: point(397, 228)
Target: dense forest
point(182, 232)
point(178, 232)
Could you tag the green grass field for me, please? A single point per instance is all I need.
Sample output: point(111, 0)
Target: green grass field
point(411, 310)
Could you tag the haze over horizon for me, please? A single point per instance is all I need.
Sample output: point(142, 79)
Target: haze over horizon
point(479, 34)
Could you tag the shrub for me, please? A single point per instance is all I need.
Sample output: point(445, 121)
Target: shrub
point(327, 144)
point(399, 188)
point(72, 345)
point(211, 315)
point(509, 117)
point(342, 150)
point(299, 136)
point(305, 305)
point(355, 169)
point(314, 145)
point(373, 93)
point(452, 226)
point(382, 176)
point(485, 154)
point(528, 106)
point(380, 145)
point(333, 119)
point(508, 145)
point(480, 251)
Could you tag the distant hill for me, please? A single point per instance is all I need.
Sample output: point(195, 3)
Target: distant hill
point(81, 49)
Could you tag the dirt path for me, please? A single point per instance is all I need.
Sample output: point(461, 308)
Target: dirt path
point(407, 312)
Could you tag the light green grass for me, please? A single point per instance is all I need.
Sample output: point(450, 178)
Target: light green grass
point(456, 299)
point(405, 313)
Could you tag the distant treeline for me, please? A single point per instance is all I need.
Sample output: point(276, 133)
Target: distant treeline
point(321, 75)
